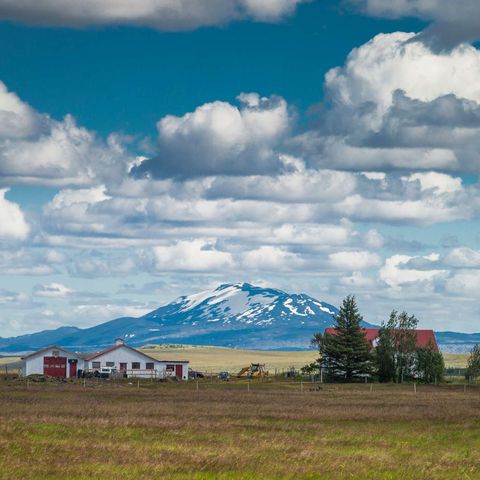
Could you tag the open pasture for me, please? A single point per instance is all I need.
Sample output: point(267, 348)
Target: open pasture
point(216, 359)
point(274, 431)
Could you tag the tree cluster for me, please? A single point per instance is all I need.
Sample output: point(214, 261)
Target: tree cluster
point(347, 356)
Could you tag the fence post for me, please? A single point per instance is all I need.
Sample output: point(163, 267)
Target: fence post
point(197, 385)
point(248, 386)
point(321, 374)
point(415, 387)
point(371, 387)
point(138, 384)
point(301, 386)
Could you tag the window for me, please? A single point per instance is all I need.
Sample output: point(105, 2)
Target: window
point(110, 364)
point(150, 365)
point(170, 368)
point(135, 365)
point(95, 364)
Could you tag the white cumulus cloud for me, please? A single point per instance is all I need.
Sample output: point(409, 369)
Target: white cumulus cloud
point(13, 225)
point(354, 260)
point(195, 255)
point(219, 138)
point(38, 150)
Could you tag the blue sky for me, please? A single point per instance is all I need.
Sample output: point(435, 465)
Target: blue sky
point(325, 147)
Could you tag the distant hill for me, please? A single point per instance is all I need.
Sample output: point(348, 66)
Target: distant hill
point(457, 342)
point(232, 315)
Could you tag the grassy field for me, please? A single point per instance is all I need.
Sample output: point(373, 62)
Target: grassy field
point(456, 360)
point(216, 359)
point(171, 431)
point(8, 360)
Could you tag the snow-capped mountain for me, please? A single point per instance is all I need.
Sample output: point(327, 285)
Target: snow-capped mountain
point(238, 315)
point(232, 315)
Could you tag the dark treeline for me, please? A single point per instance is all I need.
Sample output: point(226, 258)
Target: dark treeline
point(395, 357)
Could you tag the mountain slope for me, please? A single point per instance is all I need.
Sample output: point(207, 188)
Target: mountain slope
point(236, 315)
point(232, 315)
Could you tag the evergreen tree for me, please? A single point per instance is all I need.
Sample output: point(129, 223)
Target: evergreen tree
point(385, 354)
point(346, 354)
point(473, 370)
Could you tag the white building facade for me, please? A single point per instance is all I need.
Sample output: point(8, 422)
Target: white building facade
point(53, 362)
point(134, 363)
point(61, 363)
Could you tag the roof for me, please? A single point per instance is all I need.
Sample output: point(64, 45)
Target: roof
point(51, 347)
point(424, 337)
point(93, 356)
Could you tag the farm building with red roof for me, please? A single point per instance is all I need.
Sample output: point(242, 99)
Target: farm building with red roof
point(425, 338)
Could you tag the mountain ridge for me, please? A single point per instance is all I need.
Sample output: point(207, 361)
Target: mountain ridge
point(238, 315)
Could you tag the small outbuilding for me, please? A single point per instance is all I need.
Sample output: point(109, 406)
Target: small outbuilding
point(53, 362)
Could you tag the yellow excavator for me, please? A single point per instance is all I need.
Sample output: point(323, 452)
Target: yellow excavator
point(254, 370)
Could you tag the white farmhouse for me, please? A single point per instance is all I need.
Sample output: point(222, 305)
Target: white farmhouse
point(135, 363)
point(61, 363)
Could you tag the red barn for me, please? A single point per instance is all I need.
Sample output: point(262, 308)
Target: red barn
point(425, 338)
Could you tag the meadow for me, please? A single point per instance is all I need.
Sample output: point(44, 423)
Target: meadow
point(223, 431)
point(215, 359)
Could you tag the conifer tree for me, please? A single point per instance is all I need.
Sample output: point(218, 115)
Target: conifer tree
point(346, 354)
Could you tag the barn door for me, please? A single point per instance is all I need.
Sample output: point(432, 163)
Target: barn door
point(73, 367)
point(55, 367)
point(178, 371)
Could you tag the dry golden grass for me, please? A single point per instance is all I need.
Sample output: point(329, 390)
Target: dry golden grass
point(216, 359)
point(456, 360)
point(170, 431)
point(7, 360)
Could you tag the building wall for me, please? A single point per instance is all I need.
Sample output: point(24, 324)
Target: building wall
point(34, 365)
point(127, 355)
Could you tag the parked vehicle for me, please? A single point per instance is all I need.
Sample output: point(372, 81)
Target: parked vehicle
point(224, 376)
point(195, 374)
point(107, 372)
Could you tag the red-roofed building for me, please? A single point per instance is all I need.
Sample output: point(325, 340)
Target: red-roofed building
point(425, 338)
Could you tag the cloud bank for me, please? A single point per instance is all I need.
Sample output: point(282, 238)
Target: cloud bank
point(167, 15)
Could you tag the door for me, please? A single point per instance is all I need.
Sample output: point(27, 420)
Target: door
point(55, 367)
point(178, 371)
point(73, 367)
point(123, 367)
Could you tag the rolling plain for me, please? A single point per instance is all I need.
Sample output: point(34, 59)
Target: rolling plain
point(236, 430)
